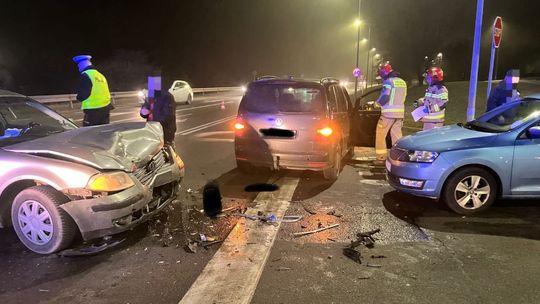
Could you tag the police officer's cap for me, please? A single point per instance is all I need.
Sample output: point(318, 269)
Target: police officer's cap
point(80, 58)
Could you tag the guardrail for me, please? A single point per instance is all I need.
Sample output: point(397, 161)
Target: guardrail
point(70, 98)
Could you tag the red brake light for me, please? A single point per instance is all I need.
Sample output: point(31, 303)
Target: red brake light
point(326, 132)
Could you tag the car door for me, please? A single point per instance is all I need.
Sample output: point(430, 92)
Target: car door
point(526, 165)
point(364, 118)
point(340, 115)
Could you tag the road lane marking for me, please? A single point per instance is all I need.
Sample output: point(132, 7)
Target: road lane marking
point(205, 126)
point(234, 272)
point(205, 106)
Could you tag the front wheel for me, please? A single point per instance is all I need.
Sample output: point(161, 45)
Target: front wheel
point(470, 190)
point(189, 99)
point(40, 223)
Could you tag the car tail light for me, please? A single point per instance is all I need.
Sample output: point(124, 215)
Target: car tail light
point(326, 132)
point(239, 126)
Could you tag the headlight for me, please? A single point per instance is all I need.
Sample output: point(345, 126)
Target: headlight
point(141, 94)
point(422, 156)
point(110, 182)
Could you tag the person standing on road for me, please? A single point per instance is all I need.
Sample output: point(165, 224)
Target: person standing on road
point(160, 106)
point(392, 102)
point(435, 99)
point(93, 93)
point(505, 91)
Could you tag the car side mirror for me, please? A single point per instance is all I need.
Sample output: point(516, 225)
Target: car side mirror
point(534, 132)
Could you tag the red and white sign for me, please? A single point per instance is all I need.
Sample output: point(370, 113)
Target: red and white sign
point(497, 32)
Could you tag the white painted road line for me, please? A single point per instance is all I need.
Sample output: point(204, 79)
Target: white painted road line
point(205, 126)
point(234, 272)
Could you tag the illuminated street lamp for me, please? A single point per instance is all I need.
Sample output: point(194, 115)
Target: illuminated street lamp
point(364, 40)
point(357, 23)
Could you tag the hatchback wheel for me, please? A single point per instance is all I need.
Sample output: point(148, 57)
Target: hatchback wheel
point(332, 173)
point(41, 225)
point(470, 190)
point(189, 99)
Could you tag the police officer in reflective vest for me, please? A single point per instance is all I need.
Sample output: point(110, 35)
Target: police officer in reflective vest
point(93, 93)
point(392, 102)
point(435, 99)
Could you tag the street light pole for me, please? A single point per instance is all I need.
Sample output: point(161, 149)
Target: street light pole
point(357, 49)
point(368, 52)
point(475, 60)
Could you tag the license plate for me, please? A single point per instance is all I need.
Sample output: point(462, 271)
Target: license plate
point(388, 166)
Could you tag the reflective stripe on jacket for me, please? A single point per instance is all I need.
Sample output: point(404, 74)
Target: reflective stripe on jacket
point(100, 96)
point(396, 89)
point(435, 100)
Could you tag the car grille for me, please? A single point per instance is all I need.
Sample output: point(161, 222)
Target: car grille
point(396, 153)
point(146, 173)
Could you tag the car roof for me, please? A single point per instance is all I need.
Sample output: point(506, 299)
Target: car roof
point(6, 93)
point(291, 80)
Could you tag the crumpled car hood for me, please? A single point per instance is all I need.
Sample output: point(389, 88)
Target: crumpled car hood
point(107, 147)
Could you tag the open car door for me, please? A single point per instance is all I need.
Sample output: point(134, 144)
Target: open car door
point(364, 117)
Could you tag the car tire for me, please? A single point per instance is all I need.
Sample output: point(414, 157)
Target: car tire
point(470, 190)
point(189, 99)
point(332, 173)
point(41, 225)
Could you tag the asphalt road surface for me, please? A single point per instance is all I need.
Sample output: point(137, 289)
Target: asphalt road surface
point(423, 253)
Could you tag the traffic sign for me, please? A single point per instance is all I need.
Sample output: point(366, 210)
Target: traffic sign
point(497, 32)
point(356, 72)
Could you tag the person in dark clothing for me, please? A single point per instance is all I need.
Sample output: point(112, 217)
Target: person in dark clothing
point(93, 93)
point(160, 106)
point(505, 91)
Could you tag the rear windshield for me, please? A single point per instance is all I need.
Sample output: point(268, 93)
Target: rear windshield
point(283, 98)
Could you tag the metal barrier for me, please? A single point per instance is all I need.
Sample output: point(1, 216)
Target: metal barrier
point(70, 98)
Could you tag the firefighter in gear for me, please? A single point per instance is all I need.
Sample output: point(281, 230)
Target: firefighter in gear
point(392, 102)
point(93, 93)
point(435, 99)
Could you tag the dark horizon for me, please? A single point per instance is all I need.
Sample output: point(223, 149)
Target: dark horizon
point(221, 43)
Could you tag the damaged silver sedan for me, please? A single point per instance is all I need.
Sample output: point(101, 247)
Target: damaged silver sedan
point(58, 181)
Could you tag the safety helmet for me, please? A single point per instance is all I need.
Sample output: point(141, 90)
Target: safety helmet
point(385, 69)
point(436, 74)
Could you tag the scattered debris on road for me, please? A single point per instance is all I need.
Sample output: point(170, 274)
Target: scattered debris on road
point(365, 239)
point(291, 218)
point(281, 268)
point(90, 249)
point(315, 231)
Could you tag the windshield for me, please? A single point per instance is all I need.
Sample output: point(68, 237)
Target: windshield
point(286, 97)
point(507, 117)
point(22, 119)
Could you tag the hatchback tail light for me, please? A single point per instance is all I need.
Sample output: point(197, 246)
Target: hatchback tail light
point(326, 132)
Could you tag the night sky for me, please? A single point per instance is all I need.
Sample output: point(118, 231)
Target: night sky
point(221, 43)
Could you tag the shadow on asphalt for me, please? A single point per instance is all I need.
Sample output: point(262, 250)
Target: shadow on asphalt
point(510, 218)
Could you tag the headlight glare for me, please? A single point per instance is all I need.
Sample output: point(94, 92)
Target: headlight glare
point(110, 182)
point(422, 156)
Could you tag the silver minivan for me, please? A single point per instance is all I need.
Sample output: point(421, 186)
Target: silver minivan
point(285, 123)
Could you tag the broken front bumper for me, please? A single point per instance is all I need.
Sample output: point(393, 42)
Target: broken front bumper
point(111, 214)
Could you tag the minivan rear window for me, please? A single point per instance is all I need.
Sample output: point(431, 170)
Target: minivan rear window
point(283, 98)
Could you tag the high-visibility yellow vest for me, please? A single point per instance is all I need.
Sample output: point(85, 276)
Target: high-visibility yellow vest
point(395, 108)
point(99, 96)
point(436, 97)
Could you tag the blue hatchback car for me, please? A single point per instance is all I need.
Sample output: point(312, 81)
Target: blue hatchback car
point(469, 165)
